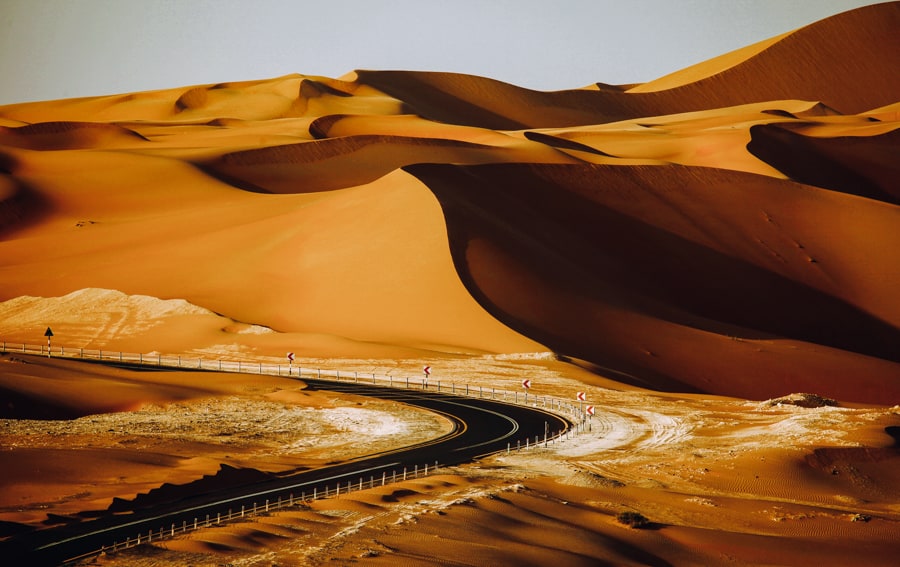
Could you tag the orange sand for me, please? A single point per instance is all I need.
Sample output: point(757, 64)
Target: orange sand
point(730, 229)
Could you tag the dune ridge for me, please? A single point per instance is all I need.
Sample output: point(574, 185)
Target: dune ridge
point(800, 65)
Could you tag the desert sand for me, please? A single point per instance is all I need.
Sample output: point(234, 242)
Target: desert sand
point(712, 256)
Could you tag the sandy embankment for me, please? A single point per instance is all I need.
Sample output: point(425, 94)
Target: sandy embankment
point(74, 435)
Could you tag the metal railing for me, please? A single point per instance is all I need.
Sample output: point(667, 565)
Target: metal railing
point(565, 408)
point(264, 507)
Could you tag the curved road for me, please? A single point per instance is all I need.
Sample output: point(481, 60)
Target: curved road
point(480, 427)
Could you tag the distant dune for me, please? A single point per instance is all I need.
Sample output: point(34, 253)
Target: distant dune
point(732, 228)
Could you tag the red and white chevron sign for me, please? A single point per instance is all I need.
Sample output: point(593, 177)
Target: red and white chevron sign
point(427, 371)
point(589, 410)
point(526, 383)
point(290, 356)
point(581, 396)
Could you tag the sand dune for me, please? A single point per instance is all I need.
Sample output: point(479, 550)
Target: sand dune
point(731, 229)
point(801, 65)
point(589, 270)
point(858, 165)
point(564, 234)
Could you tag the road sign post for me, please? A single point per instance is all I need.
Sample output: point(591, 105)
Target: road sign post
point(290, 357)
point(427, 372)
point(526, 383)
point(48, 333)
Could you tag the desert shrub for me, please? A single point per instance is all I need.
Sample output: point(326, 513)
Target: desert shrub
point(804, 401)
point(633, 520)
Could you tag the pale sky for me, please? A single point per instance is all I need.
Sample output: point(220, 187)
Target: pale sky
point(52, 49)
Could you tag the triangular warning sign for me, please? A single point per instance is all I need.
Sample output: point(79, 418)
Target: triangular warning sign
point(48, 332)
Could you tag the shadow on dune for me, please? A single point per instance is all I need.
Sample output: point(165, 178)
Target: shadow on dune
point(866, 166)
point(21, 205)
point(560, 264)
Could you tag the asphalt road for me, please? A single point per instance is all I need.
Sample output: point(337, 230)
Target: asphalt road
point(481, 426)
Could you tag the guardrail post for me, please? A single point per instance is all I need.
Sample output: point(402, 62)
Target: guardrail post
point(404, 473)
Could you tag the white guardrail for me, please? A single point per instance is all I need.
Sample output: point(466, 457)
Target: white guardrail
point(565, 408)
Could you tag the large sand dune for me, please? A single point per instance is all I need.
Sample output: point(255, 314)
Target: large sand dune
point(731, 229)
point(748, 206)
